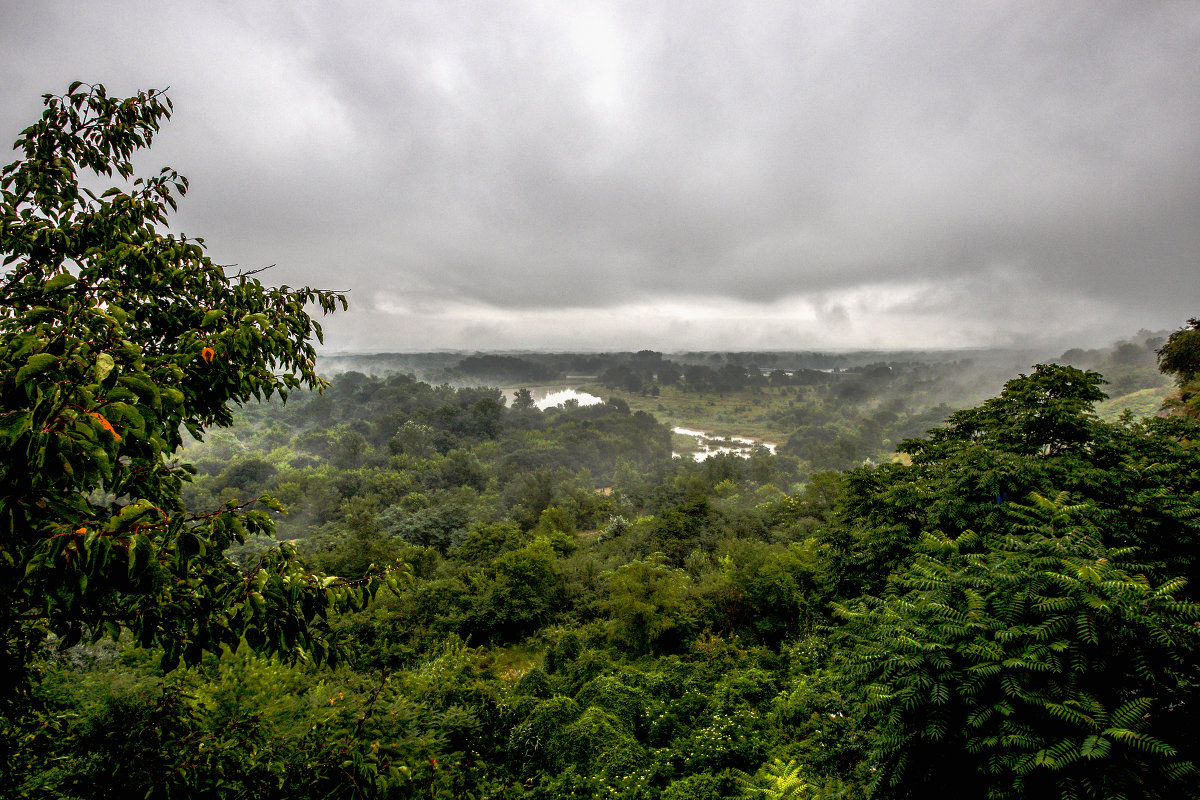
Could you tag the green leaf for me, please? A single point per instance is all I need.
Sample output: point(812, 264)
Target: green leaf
point(35, 366)
point(271, 503)
point(104, 365)
point(60, 281)
point(145, 388)
point(1094, 747)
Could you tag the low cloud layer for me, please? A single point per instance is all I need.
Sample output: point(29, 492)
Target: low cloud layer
point(661, 174)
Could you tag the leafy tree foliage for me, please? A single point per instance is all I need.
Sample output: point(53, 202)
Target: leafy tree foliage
point(648, 604)
point(1040, 435)
point(116, 336)
point(1180, 356)
point(1040, 647)
point(1040, 661)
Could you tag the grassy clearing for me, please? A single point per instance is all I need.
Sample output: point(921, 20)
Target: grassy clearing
point(510, 663)
point(1142, 403)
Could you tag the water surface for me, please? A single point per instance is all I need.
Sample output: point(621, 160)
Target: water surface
point(711, 444)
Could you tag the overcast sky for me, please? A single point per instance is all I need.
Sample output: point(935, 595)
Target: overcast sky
point(671, 175)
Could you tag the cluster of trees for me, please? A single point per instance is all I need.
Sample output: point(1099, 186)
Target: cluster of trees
point(648, 373)
point(1008, 611)
point(494, 369)
point(1129, 365)
point(1180, 357)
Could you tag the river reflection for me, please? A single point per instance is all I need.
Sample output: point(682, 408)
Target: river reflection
point(709, 444)
point(560, 396)
point(550, 396)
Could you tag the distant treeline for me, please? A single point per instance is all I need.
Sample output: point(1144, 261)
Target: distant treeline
point(506, 367)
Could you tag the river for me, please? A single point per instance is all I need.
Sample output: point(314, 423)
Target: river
point(559, 396)
point(709, 444)
point(550, 396)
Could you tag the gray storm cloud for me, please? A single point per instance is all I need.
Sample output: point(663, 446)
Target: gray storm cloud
point(673, 174)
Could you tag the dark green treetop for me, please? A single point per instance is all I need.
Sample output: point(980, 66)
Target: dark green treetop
point(1038, 663)
point(1040, 435)
point(1180, 356)
point(1038, 634)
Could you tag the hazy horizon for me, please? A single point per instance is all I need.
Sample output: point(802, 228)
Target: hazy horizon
point(326, 353)
point(671, 175)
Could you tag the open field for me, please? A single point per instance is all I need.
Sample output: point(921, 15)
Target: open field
point(1142, 403)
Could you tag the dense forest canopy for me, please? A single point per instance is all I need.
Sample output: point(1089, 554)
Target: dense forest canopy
point(919, 594)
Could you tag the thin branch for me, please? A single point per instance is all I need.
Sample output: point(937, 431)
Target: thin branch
point(35, 616)
point(246, 273)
